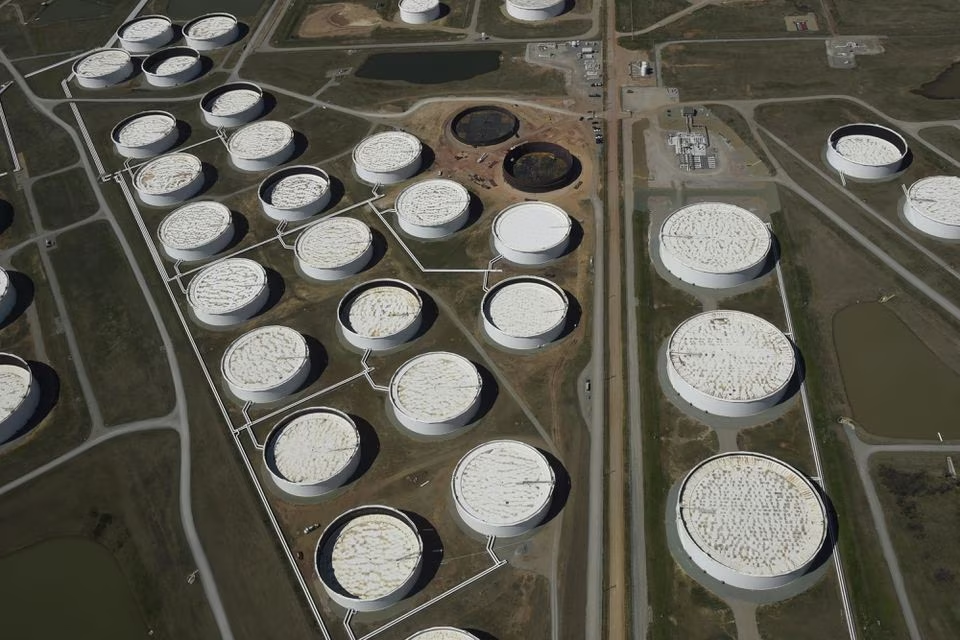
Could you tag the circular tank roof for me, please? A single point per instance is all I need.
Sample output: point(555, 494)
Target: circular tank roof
point(144, 129)
point(211, 26)
point(313, 447)
point(714, 237)
point(503, 482)
point(333, 243)
point(194, 225)
point(416, 6)
point(432, 202)
point(532, 226)
point(4, 282)
point(260, 139)
point(232, 101)
point(383, 310)
point(937, 198)
point(15, 382)
point(264, 358)
point(168, 173)
point(534, 4)
point(172, 64)
point(387, 151)
point(732, 355)
point(372, 555)
point(868, 144)
point(442, 633)
point(102, 63)
point(525, 307)
point(227, 285)
point(297, 189)
point(753, 514)
point(435, 387)
point(144, 28)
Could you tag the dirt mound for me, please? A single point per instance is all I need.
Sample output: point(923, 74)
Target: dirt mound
point(337, 19)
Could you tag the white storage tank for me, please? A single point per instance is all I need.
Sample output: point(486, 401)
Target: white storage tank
point(260, 146)
point(334, 249)
point(145, 33)
point(730, 363)
point(380, 314)
point(531, 233)
point(714, 245)
point(103, 68)
point(211, 31)
point(19, 395)
point(196, 231)
point(932, 205)
point(433, 209)
point(172, 67)
point(369, 558)
point(312, 452)
point(866, 151)
point(145, 134)
point(232, 105)
point(8, 295)
point(228, 292)
point(750, 520)
point(295, 193)
point(503, 488)
point(524, 312)
point(169, 179)
point(388, 157)
point(419, 11)
point(532, 10)
point(436, 393)
point(266, 364)
point(443, 633)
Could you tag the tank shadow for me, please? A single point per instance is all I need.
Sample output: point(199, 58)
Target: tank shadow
point(428, 314)
point(210, 177)
point(337, 191)
point(444, 11)
point(379, 250)
point(488, 392)
point(432, 550)
point(49, 383)
point(25, 289)
point(6, 215)
point(561, 487)
point(184, 131)
point(240, 229)
point(772, 258)
point(481, 635)
point(300, 145)
point(269, 104)
point(474, 210)
point(243, 30)
point(318, 361)
point(277, 288)
point(574, 314)
point(369, 447)
point(427, 158)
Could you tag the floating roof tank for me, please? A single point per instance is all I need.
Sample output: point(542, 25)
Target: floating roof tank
point(866, 151)
point(388, 157)
point(443, 633)
point(145, 33)
point(436, 393)
point(532, 10)
point(145, 134)
point(19, 395)
point(169, 179)
point(433, 209)
point(260, 146)
point(334, 249)
point(530, 233)
point(8, 295)
point(525, 312)
point(419, 11)
point(172, 67)
point(312, 452)
point(380, 314)
point(933, 206)
point(714, 245)
point(211, 31)
point(228, 292)
point(232, 105)
point(295, 193)
point(750, 520)
point(503, 488)
point(103, 68)
point(196, 231)
point(730, 363)
point(266, 364)
point(369, 558)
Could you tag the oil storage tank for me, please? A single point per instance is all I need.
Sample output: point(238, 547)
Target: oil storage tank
point(380, 314)
point(433, 209)
point(503, 488)
point(388, 157)
point(866, 151)
point(196, 231)
point(260, 146)
point(524, 312)
point(266, 364)
point(211, 31)
point(103, 68)
point(19, 395)
point(169, 179)
point(228, 292)
point(533, 10)
point(369, 558)
point(436, 393)
point(442, 633)
point(334, 249)
point(145, 134)
point(750, 520)
point(932, 205)
point(295, 193)
point(172, 67)
point(8, 295)
point(145, 33)
point(232, 105)
point(531, 233)
point(419, 11)
point(312, 452)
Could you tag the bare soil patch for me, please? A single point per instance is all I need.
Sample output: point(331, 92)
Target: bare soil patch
point(338, 19)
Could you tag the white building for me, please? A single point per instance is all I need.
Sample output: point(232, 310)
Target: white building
point(103, 68)
point(145, 134)
point(295, 193)
point(172, 67)
point(228, 292)
point(260, 146)
point(524, 312)
point(932, 205)
point(380, 314)
point(169, 179)
point(334, 249)
point(19, 395)
point(211, 31)
point(866, 151)
point(533, 10)
point(442, 633)
point(266, 364)
point(531, 233)
point(436, 393)
point(419, 11)
point(8, 295)
point(145, 33)
point(433, 209)
point(388, 157)
point(196, 231)
point(232, 105)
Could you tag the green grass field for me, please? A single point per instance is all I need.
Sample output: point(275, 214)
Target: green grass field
point(64, 198)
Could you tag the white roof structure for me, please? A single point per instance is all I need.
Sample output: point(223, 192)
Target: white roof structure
point(503, 482)
point(14, 388)
point(731, 355)
point(387, 151)
point(145, 29)
point(260, 139)
point(4, 282)
point(227, 285)
point(315, 446)
point(383, 311)
point(432, 202)
point(752, 514)
point(937, 198)
point(168, 173)
point(374, 555)
point(174, 64)
point(442, 633)
point(534, 4)
point(265, 358)
point(333, 243)
point(867, 149)
point(715, 237)
point(211, 27)
point(294, 191)
point(532, 226)
point(417, 6)
point(102, 63)
point(146, 129)
point(233, 102)
point(436, 386)
point(527, 308)
point(195, 224)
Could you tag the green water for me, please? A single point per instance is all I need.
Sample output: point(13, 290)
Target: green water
point(66, 588)
point(897, 387)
